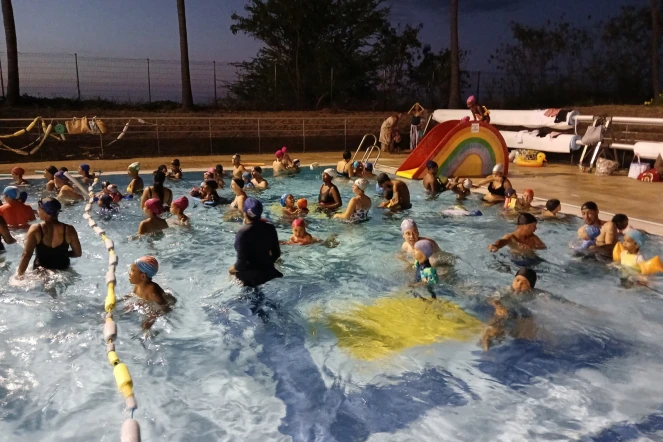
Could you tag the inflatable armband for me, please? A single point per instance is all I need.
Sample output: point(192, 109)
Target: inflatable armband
point(510, 203)
point(652, 266)
point(617, 252)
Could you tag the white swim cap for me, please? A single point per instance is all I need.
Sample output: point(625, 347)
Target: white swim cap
point(467, 183)
point(331, 172)
point(362, 184)
point(499, 168)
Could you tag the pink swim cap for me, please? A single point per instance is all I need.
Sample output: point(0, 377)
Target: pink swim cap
point(155, 206)
point(298, 223)
point(279, 153)
point(181, 203)
point(465, 119)
point(284, 149)
point(211, 170)
point(471, 99)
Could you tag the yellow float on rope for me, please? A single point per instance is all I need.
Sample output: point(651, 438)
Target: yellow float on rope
point(109, 304)
point(123, 379)
point(113, 358)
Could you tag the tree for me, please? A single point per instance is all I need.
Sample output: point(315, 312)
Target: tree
point(13, 93)
point(454, 78)
point(187, 96)
point(655, 45)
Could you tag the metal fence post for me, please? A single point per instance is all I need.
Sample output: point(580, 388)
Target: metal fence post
point(303, 135)
point(259, 146)
point(2, 81)
point(345, 133)
point(149, 83)
point(209, 121)
point(158, 144)
point(78, 82)
point(215, 99)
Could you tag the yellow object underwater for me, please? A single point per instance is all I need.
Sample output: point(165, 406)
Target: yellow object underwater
point(390, 325)
point(650, 267)
point(538, 162)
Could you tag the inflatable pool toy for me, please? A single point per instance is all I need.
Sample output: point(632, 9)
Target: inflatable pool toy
point(649, 267)
point(459, 211)
point(529, 161)
point(468, 149)
point(389, 325)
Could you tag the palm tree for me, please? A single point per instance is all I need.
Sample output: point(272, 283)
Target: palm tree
point(12, 53)
point(187, 97)
point(454, 80)
point(655, 45)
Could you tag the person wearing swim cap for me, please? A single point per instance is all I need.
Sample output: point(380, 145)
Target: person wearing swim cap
point(358, 169)
point(610, 232)
point(238, 168)
point(410, 233)
point(278, 164)
point(237, 186)
point(66, 193)
point(257, 246)
point(344, 167)
point(479, 113)
point(158, 191)
point(401, 197)
point(461, 187)
point(141, 273)
point(359, 205)
point(510, 314)
point(23, 197)
point(299, 234)
point(136, 185)
point(84, 172)
point(288, 204)
point(525, 200)
point(497, 185)
point(588, 239)
point(257, 180)
point(368, 171)
point(329, 198)
point(553, 207)
point(296, 164)
point(49, 174)
point(247, 181)
point(523, 238)
point(14, 211)
point(633, 242)
point(175, 170)
point(17, 176)
point(53, 242)
point(424, 272)
point(153, 209)
point(290, 163)
point(177, 209)
point(433, 184)
point(208, 174)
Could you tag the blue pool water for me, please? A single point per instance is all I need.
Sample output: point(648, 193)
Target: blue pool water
point(213, 370)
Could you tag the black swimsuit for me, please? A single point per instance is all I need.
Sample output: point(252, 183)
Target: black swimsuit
point(499, 191)
point(52, 258)
point(326, 197)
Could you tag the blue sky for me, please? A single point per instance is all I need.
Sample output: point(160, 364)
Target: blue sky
point(148, 28)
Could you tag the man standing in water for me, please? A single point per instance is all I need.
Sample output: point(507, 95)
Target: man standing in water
point(590, 215)
point(432, 183)
point(238, 169)
point(401, 198)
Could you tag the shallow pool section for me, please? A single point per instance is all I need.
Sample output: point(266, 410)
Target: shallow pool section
point(215, 369)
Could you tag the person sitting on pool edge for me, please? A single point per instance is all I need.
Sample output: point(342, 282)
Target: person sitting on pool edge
point(17, 176)
point(257, 246)
point(523, 237)
point(344, 167)
point(51, 240)
point(423, 250)
point(136, 185)
point(66, 193)
point(238, 168)
point(433, 183)
point(177, 209)
point(553, 207)
point(359, 205)
point(141, 273)
point(84, 172)
point(258, 181)
point(14, 211)
point(329, 198)
point(401, 197)
point(497, 185)
point(175, 170)
point(410, 233)
point(153, 209)
point(509, 314)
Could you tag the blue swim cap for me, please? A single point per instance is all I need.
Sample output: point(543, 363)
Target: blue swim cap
point(283, 198)
point(23, 196)
point(426, 247)
point(379, 189)
point(355, 164)
point(592, 231)
point(369, 167)
point(11, 192)
point(252, 208)
point(148, 265)
point(50, 206)
point(85, 167)
point(637, 236)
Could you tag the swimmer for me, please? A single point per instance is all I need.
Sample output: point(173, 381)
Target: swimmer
point(359, 205)
point(287, 161)
point(523, 238)
point(84, 172)
point(302, 206)
point(358, 169)
point(329, 198)
point(588, 239)
point(510, 314)
point(433, 183)
point(278, 164)
point(553, 207)
point(368, 171)
point(209, 174)
point(525, 201)
point(158, 191)
point(218, 176)
point(51, 240)
point(153, 223)
point(630, 256)
point(296, 165)
point(462, 189)
point(163, 169)
point(288, 204)
point(247, 181)
point(136, 185)
point(610, 232)
point(177, 209)
point(411, 236)
point(141, 273)
point(23, 197)
point(590, 216)
point(14, 212)
point(5, 235)
point(115, 193)
point(258, 181)
point(401, 197)
point(344, 167)
point(175, 170)
point(300, 235)
point(105, 202)
point(49, 174)
point(65, 191)
point(497, 185)
point(424, 272)
point(17, 176)
point(510, 200)
point(237, 186)
point(208, 193)
point(238, 168)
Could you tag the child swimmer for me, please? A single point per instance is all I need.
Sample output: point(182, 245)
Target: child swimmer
point(141, 273)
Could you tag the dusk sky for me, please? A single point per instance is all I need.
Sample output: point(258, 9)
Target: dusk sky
point(148, 28)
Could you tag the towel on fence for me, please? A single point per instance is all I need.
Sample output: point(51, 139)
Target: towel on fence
point(77, 126)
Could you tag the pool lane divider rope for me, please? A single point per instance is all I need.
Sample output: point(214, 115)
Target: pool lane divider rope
point(130, 431)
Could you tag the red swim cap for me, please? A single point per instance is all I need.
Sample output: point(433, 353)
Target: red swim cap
point(298, 223)
point(18, 171)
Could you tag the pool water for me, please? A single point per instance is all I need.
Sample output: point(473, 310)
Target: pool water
point(215, 369)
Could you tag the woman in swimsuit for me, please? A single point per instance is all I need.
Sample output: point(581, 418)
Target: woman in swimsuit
point(237, 186)
point(158, 191)
point(49, 174)
point(329, 197)
point(359, 205)
point(50, 239)
point(497, 185)
point(136, 185)
point(344, 168)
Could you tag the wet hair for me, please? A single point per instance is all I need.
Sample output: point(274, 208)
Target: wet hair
point(526, 218)
point(212, 184)
point(430, 164)
point(590, 205)
point(175, 162)
point(529, 274)
point(382, 179)
point(106, 200)
point(159, 178)
point(347, 155)
point(258, 169)
point(239, 182)
point(219, 169)
point(64, 169)
point(620, 219)
point(52, 170)
point(105, 184)
point(552, 205)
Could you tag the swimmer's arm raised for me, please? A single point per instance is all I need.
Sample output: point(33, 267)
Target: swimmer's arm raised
point(29, 248)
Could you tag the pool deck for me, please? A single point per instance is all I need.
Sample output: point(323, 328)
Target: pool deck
point(642, 202)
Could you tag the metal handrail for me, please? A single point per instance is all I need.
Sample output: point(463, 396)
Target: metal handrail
point(361, 144)
point(367, 155)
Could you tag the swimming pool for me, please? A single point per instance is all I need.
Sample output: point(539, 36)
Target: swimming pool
point(215, 371)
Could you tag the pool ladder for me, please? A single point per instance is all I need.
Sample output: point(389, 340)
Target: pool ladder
point(369, 150)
